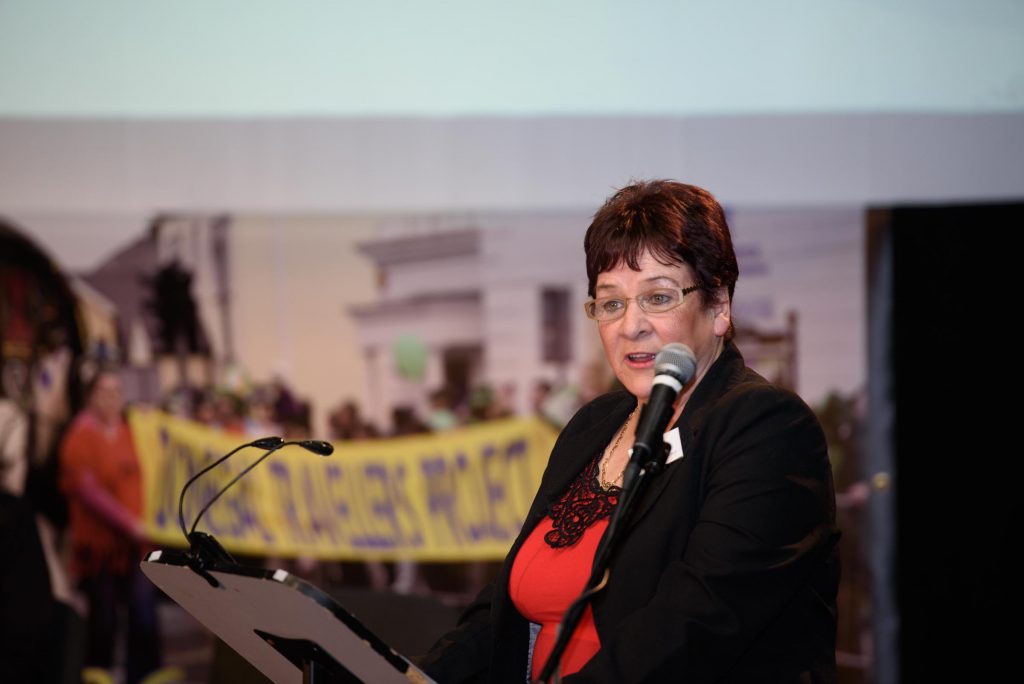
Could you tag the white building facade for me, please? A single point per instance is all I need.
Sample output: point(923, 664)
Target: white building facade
point(496, 300)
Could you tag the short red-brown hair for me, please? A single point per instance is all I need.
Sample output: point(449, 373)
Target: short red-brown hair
point(677, 223)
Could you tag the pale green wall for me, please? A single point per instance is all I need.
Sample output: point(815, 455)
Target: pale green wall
point(245, 58)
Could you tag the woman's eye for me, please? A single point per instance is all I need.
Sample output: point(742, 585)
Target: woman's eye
point(611, 305)
point(659, 298)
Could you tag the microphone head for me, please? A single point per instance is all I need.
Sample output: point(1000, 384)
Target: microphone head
point(268, 443)
point(677, 360)
point(317, 446)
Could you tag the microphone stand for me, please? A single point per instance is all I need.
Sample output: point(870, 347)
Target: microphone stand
point(204, 549)
point(634, 482)
point(262, 443)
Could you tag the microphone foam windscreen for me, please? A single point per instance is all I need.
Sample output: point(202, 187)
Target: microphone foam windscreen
point(677, 360)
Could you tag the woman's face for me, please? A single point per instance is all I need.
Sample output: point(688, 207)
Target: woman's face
point(632, 341)
point(106, 400)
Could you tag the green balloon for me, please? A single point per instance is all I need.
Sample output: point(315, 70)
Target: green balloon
point(410, 356)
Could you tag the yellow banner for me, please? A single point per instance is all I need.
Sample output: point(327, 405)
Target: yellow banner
point(458, 495)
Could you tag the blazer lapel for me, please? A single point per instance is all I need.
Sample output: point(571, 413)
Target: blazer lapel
point(722, 375)
point(570, 455)
point(577, 449)
point(574, 450)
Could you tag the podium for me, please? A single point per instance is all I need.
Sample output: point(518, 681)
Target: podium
point(288, 629)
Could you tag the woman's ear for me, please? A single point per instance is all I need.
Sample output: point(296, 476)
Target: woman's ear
point(722, 312)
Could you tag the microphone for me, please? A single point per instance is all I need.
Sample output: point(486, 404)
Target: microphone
point(315, 446)
point(674, 366)
point(264, 443)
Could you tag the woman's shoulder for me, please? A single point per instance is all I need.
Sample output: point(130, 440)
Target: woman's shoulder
point(730, 386)
point(753, 403)
point(600, 409)
point(746, 387)
point(609, 401)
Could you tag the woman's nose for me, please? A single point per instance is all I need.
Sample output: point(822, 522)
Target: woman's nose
point(635, 322)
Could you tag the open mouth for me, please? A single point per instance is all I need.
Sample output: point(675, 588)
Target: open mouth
point(640, 359)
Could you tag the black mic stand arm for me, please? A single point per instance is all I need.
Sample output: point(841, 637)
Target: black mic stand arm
point(634, 482)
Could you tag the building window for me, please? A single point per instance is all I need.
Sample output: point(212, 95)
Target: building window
point(555, 325)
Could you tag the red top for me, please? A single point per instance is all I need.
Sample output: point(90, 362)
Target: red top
point(544, 581)
point(108, 455)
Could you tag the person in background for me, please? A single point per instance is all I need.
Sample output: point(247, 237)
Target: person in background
point(541, 391)
point(503, 404)
point(99, 474)
point(228, 409)
point(205, 413)
point(27, 606)
point(13, 446)
point(26, 600)
point(729, 569)
point(440, 416)
point(346, 423)
point(261, 420)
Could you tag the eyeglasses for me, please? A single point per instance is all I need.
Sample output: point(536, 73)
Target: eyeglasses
point(660, 300)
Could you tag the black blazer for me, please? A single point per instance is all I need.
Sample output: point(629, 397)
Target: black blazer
point(729, 571)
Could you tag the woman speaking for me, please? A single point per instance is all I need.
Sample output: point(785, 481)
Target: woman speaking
point(728, 568)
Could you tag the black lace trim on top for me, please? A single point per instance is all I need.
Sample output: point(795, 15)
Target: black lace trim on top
point(583, 504)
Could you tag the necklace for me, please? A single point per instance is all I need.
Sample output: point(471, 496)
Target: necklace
point(602, 478)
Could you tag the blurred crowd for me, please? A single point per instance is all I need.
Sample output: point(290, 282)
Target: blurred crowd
point(275, 409)
point(271, 409)
point(71, 522)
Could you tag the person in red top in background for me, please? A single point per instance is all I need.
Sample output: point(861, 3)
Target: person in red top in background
point(99, 473)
